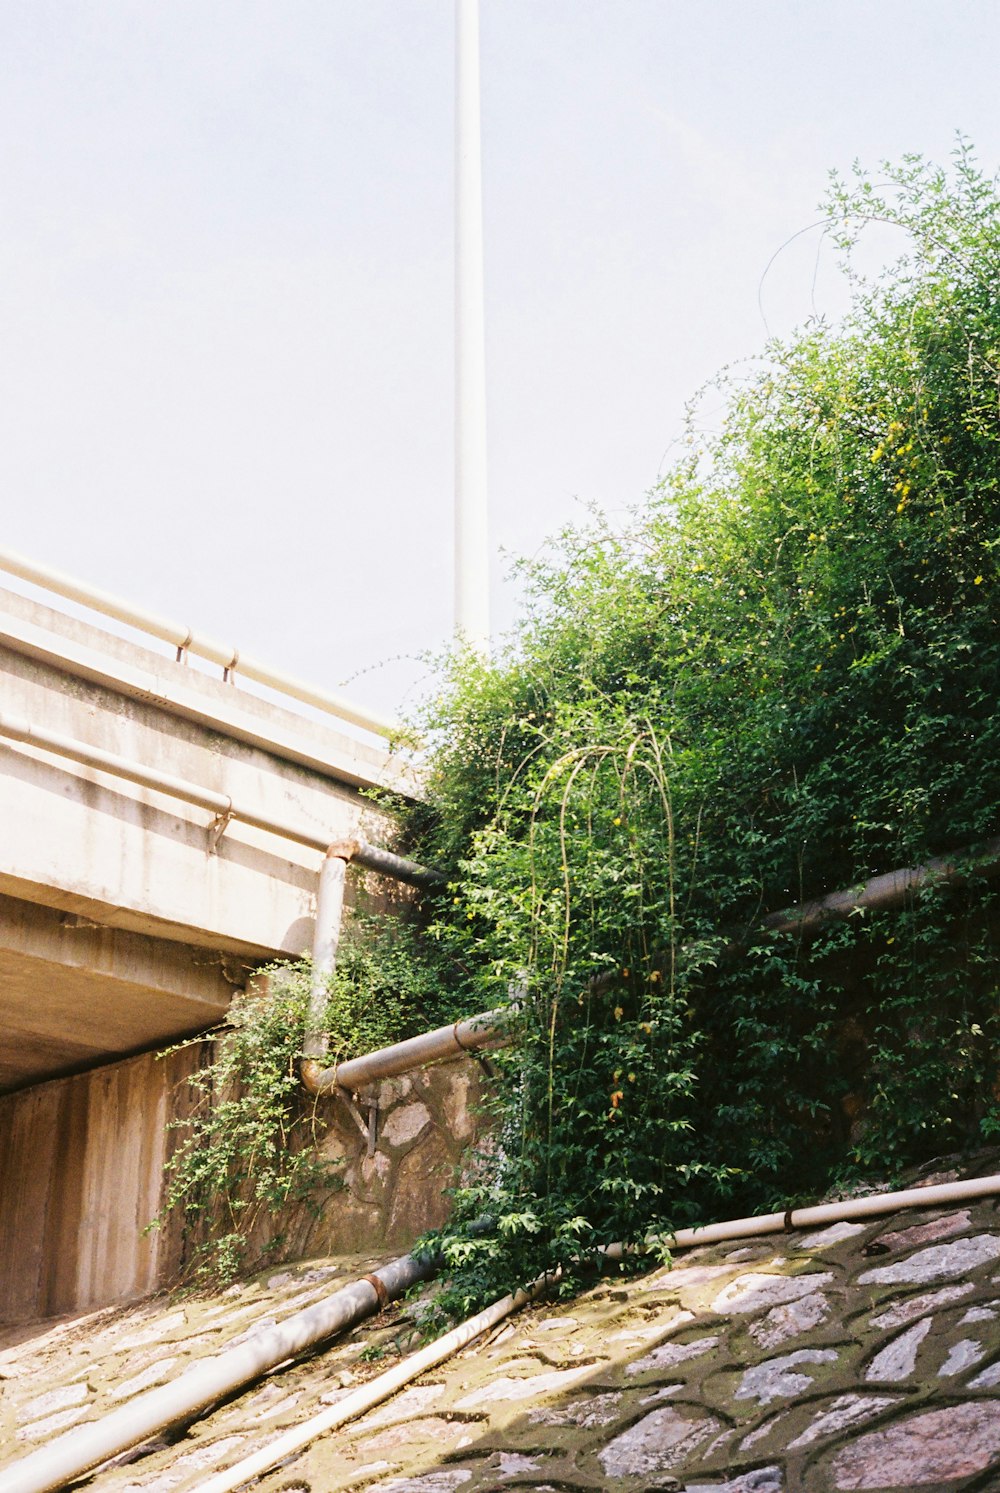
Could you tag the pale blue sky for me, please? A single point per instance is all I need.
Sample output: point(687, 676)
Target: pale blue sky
point(226, 275)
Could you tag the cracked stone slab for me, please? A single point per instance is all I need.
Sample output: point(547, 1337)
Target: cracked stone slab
point(428, 1482)
point(925, 1233)
point(505, 1387)
point(595, 1410)
point(899, 1359)
point(55, 1399)
point(964, 1354)
point(410, 1402)
point(684, 1277)
point(670, 1354)
point(775, 1379)
point(978, 1314)
point(761, 1480)
point(659, 1442)
point(62, 1419)
point(901, 1312)
point(931, 1446)
point(756, 1292)
point(845, 1412)
point(836, 1233)
point(937, 1262)
point(790, 1320)
point(155, 1374)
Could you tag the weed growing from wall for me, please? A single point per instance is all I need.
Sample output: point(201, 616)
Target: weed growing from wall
point(248, 1158)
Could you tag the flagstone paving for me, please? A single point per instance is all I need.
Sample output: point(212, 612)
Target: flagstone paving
point(862, 1356)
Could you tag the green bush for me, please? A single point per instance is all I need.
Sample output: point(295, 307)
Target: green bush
point(777, 679)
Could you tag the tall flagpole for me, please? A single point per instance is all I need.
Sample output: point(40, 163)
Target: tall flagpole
point(472, 558)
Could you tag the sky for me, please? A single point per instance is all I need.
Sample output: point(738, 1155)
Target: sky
point(226, 278)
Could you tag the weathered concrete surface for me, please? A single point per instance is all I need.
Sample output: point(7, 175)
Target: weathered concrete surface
point(106, 864)
point(81, 1175)
point(632, 1386)
point(74, 993)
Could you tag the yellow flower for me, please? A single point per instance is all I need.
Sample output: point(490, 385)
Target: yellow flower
point(978, 581)
point(619, 1012)
point(616, 821)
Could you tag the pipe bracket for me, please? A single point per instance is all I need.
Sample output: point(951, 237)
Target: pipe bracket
point(218, 828)
point(369, 1127)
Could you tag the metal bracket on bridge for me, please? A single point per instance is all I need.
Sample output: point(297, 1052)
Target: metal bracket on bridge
point(369, 1127)
point(217, 829)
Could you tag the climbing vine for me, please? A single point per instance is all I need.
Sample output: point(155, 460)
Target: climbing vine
point(777, 680)
point(247, 1158)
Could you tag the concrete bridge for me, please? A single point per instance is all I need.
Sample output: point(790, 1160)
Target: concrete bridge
point(129, 915)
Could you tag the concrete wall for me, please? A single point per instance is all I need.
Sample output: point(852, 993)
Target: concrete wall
point(81, 1174)
point(81, 1163)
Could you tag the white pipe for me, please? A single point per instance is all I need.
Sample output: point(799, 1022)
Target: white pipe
point(484, 1030)
point(369, 1395)
point(69, 1456)
point(224, 654)
point(472, 558)
point(326, 939)
point(73, 1453)
point(16, 728)
point(822, 1213)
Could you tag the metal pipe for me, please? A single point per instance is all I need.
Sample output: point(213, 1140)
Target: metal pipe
point(887, 890)
point(472, 556)
point(16, 728)
point(369, 1395)
point(476, 1032)
point(187, 640)
point(822, 1213)
point(69, 1456)
point(485, 1030)
point(326, 938)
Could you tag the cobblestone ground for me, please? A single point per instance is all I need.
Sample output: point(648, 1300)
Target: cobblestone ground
point(859, 1356)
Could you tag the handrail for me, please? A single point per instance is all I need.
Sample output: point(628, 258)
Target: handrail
point(186, 640)
point(15, 728)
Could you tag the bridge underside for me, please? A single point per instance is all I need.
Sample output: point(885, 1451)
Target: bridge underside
point(74, 993)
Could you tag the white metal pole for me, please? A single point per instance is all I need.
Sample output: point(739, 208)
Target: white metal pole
point(472, 559)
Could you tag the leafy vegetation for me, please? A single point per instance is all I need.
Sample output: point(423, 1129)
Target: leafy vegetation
point(248, 1157)
point(778, 679)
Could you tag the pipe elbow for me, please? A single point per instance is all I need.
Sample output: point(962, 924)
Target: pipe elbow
point(315, 1077)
